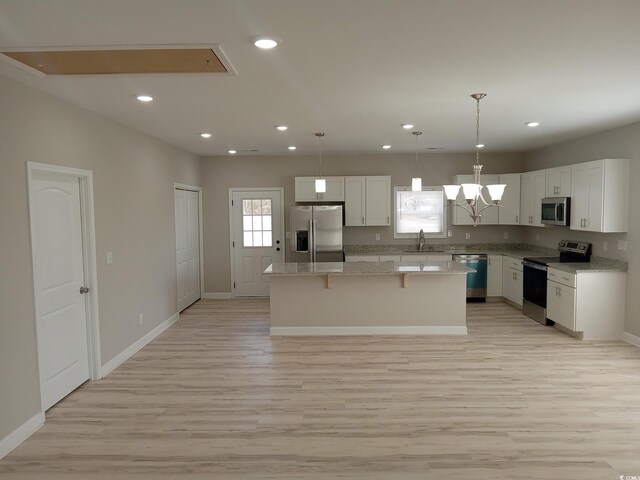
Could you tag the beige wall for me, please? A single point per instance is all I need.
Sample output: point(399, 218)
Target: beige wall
point(133, 187)
point(623, 142)
point(221, 173)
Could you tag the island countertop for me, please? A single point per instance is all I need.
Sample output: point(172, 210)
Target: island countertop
point(367, 268)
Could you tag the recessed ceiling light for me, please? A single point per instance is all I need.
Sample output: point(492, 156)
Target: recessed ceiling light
point(291, 147)
point(386, 147)
point(532, 124)
point(145, 98)
point(265, 42)
point(205, 135)
point(480, 145)
point(282, 128)
point(232, 152)
point(407, 126)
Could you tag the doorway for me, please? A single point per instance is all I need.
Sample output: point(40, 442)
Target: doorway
point(64, 277)
point(256, 226)
point(188, 207)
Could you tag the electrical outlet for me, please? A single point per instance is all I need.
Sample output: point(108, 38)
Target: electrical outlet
point(141, 319)
point(605, 246)
point(467, 235)
point(109, 258)
point(622, 245)
point(449, 233)
point(377, 237)
point(505, 235)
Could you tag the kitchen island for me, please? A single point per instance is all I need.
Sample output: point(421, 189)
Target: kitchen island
point(364, 298)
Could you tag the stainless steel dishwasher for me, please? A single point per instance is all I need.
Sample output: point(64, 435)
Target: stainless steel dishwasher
point(476, 281)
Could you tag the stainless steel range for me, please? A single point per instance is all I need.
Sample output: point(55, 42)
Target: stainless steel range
point(534, 304)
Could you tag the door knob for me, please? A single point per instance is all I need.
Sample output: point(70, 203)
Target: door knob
point(84, 290)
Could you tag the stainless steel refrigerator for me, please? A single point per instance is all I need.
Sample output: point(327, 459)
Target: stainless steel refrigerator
point(316, 233)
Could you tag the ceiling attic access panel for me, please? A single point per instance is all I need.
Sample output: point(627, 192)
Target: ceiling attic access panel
point(114, 61)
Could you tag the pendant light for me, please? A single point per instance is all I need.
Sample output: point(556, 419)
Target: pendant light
point(475, 203)
point(321, 183)
point(416, 182)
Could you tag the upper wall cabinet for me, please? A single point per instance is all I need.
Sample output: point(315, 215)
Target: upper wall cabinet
point(599, 195)
point(306, 190)
point(367, 201)
point(509, 213)
point(559, 181)
point(459, 216)
point(532, 191)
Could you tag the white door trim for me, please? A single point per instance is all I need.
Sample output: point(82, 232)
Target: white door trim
point(192, 188)
point(89, 259)
point(280, 190)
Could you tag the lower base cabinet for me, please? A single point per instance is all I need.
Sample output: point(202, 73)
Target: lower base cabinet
point(494, 276)
point(512, 280)
point(589, 304)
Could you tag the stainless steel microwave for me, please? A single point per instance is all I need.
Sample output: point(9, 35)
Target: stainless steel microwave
point(555, 211)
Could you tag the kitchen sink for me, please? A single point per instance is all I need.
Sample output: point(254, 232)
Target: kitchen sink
point(423, 251)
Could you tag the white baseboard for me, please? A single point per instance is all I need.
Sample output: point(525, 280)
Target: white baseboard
point(20, 434)
point(323, 331)
point(217, 295)
point(122, 357)
point(632, 339)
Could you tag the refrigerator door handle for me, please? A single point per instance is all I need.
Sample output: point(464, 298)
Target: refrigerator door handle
point(314, 226)
point(312, 242)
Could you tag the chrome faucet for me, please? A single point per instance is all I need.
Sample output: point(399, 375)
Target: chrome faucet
point(421, 241)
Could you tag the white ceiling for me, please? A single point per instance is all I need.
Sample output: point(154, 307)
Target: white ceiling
point(354, 69)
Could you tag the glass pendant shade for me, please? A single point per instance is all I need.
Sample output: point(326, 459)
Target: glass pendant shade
point(496, 191)
point(471, 190)
point(451, 191)
point(321, 185)
point(416, 184)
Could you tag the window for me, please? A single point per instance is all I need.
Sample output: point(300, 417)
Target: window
point(256, 222)
point(419, 210)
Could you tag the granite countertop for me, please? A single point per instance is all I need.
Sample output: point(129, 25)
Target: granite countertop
point(597, 264)
point(514, 250)
point(367, 268)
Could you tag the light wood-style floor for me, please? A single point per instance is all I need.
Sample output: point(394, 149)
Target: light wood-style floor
point(215, 397)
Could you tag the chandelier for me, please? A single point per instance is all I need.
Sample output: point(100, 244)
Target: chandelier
point(475, 202)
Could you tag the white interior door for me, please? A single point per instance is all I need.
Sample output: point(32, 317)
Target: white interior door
point(187, 247)
point(58, 278)
point(257, 239)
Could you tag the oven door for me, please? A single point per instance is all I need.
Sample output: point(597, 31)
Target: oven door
point(534, 284)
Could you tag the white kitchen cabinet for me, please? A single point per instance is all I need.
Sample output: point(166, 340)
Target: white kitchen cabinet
point(558, 181)
point(494, 276)
point(561, 304)
point(512, 280)
point(378, 200)
point(413, 258)
point(354, 201)
point(589, 304)
point(367, 201)
point(532, 191)
point(599, 195)
point(390, 258)
point(305, 190)
point(459, 216)
point(509, 213)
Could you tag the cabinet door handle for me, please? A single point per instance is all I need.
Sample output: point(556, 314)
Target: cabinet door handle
point(363, 220)
point(517, 221)
point(388, 220)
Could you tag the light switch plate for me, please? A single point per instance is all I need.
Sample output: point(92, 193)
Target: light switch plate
point(622, 245)
point(109, 258)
